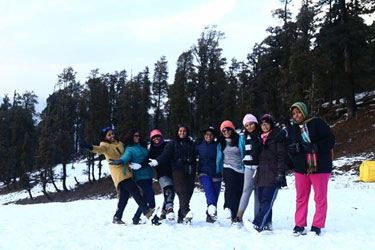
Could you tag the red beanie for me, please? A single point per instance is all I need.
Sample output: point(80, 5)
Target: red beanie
point(227, 124)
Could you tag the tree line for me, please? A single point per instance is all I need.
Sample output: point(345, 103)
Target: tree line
point(325, 53)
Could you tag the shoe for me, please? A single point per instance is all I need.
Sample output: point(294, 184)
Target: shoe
point(170, 214)
point(268, 227)
point(188, 217)
point(257, 228)
point(237, 222)
point(297, 231)
point(316, 230)
point(210, 219)
point(228, 213)
point(155, 221)
point(180, 219)
point(150, 213)
point(211, 210)
point(118, 221)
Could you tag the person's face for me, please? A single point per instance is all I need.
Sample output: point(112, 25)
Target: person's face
point(110, 136)
point(136, 137)
point(227, 132)
point(182, 133)
point(250, 126)
point(208, 136)
point(266, 127)
point(156, 139)
point(297, 115)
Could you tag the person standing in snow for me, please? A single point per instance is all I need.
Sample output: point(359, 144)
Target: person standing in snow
point(164, 173)
point(181, 154)
point(136, 153)
point(121, 175)
point(253, 147)
point(210, 180)
point(230, 153)
point(311, 144)
point(270, 175)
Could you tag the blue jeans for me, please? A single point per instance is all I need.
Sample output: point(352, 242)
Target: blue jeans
point(211, 189)
point(267, 196)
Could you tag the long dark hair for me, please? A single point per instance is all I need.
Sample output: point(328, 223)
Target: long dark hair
point(103, 134)
point(257, 131)
point(187, 132)
point(235, 139)
point(129, 138)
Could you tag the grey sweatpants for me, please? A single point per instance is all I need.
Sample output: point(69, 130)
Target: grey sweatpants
point(248, 187)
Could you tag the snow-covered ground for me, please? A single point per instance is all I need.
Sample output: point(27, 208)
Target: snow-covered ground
point(87, 224)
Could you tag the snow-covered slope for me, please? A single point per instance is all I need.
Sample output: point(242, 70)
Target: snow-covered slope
point(87, 224)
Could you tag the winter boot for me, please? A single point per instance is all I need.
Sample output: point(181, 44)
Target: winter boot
point(297, 231)
point(210, 219)
point(316, 230)
point(118, 221)
point(258, 229)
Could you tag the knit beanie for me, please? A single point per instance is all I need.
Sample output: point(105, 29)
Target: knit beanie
point(227, 124)
point(268, 119)
point(302, 107)
point(249, 118)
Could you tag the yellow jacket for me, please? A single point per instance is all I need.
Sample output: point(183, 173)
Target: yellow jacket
point(113, 151)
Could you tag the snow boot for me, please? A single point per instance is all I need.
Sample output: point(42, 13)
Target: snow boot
point(155, 221)
point(297, 231)
point(118, 221)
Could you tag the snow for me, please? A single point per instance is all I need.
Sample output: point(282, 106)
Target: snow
point(86, 224)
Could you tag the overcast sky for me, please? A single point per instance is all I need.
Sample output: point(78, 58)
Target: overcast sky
point(39, 38)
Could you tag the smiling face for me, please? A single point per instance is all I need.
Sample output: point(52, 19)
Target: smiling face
point(110, 136)
point(266, 127)
point(227, 132)
point(156, 139)
point(182, 133)
point(297, 115)
point(250, 126)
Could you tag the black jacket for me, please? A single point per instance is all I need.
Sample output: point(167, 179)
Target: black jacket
point(181, 155)
point(320, 135)
point(272, 161)
point(164, 168)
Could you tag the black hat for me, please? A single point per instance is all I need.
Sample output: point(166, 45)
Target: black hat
point(211, 129)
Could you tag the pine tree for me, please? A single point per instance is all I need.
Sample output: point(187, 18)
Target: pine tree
point(159, 90)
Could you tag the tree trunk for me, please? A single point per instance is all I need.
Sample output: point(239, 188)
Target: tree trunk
point(53, 180)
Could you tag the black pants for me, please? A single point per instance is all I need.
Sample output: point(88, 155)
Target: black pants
point(266, 196)
point(233, 190)
point(124, 189)
point(148, 193)
point(184, 184)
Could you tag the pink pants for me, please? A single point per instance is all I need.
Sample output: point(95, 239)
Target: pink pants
point(303, 188)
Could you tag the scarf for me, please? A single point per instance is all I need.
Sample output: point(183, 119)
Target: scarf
point(312, 161)
point(264, 136)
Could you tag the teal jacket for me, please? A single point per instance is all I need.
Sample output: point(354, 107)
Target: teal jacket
point(220, 155)
point(137, 154)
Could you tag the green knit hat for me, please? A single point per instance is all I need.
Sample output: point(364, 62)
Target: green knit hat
point(302, 107)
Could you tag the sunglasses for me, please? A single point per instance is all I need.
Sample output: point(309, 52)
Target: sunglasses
point(136, 136)
point(226, 130)
point(106, 129)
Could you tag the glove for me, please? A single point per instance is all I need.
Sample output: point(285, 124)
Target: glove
point(153, 163)
point(116, 162)
point(135, 166)
point(85, 146)
point(294, 148)
point(280, 181)
point(309, 147)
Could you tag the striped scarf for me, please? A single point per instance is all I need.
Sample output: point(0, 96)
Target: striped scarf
point(312, 161)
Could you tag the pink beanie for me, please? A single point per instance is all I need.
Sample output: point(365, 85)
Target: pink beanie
point(249, 118)
point(155, 132)
point(227, 124)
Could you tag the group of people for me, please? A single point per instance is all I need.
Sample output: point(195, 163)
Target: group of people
point(255, 160)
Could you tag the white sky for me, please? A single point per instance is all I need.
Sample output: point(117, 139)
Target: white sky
point(39, 38)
